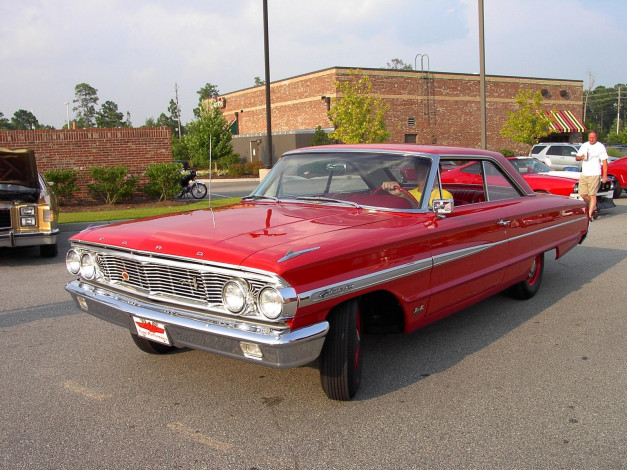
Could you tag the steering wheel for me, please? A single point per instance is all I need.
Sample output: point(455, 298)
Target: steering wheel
point(409, 195)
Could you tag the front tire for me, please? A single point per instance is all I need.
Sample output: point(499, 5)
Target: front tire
point(340, 361)
point(529, 287)
point(618, 190)
point(199, 190)
point(151, 347)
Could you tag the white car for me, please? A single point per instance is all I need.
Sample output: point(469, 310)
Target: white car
point(557, 155)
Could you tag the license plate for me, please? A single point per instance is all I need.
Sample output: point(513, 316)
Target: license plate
point(152, 330)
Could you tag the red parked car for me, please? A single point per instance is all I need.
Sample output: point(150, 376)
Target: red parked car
point(618, 169)
point(539, 176)
point(320, 254)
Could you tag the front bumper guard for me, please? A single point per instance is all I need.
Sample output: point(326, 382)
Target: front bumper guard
point(281, 348)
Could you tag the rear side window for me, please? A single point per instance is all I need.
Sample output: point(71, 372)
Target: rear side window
point(537, 149)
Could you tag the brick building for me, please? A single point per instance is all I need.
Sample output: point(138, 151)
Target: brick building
point(81, 149)
point(425, 107)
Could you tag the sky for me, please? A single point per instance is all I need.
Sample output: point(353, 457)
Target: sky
point(134, 52)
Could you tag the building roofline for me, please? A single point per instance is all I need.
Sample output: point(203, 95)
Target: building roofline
point(387, 71)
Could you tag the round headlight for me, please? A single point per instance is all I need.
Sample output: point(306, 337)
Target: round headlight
point(270, 303)
point(73, 262)
point(234, 295)
point(88, 266)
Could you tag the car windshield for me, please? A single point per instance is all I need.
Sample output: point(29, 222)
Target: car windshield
point(530, 165)
point(348, 178)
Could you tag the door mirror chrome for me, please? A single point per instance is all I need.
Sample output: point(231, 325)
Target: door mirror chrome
point(441, 207)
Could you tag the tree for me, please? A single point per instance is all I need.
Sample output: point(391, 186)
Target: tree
point(24, 120)
point(4, 122)
point(209, 129)
point(320, 137)
point(109, 116)
point(358, 117)
point(86, 99)
point(529, 123)
point(259, 81)
point(398, 64)
point(208, 91)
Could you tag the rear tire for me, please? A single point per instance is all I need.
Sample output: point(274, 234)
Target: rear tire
point(199, 190)
point(529, 287)
point(151, 347)
point(618, 189)
point(340, 361)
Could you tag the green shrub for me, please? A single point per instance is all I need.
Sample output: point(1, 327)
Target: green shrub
point(252, 168)
point(112, 183)
point(236, 170)
point(164, 180)
point(508, 153)
point(63, 183)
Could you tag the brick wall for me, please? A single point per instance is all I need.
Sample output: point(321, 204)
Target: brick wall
point(445, 107)
point(80, 149)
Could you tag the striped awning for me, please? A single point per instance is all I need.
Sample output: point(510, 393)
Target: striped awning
point(565, 121)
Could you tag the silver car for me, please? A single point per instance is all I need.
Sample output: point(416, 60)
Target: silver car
point(557, 155)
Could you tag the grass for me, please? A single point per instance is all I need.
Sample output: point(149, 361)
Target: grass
point(139, 212)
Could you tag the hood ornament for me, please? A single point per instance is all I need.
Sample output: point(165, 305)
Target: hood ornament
point(293, 254)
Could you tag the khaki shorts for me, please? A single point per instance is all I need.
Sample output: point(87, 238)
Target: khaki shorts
point(589, 185)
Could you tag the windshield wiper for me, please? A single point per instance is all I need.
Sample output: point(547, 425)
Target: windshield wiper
point(255, 197)
point(328, 199)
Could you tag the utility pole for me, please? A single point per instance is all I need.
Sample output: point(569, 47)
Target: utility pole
point(178, 108)
point(618, 116)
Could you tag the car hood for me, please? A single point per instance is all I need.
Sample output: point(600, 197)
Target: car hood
point(233, 234)
point(18, 175)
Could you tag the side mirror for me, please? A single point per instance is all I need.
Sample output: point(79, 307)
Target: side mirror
point(441, 207)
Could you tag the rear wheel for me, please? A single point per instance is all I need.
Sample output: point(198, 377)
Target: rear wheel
point(151, 347)
point(340, 362)
point(618, 189)
point(199, 190)
point(529, 287)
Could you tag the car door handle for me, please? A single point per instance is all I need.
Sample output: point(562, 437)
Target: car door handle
point(503, 223)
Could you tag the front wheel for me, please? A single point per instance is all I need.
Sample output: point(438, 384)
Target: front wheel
point(199, 190)
point(340, 362)
point(618, 190)
point(529, 287)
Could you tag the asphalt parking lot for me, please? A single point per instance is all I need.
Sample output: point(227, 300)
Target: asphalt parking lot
point(503, 384)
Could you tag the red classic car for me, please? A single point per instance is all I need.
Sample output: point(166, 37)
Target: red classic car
point(320, 254)
point(539, 176)
point(618, 169)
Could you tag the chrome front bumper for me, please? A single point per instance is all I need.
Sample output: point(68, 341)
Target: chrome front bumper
point(281, 348)
point(15, 239)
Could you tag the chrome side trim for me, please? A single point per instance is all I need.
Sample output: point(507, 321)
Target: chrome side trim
point(363, 282)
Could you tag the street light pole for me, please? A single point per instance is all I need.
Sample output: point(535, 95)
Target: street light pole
point(484, 134)
point(266, 48)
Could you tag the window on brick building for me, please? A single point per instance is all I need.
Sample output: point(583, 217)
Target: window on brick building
point(410, 138)
point(411, 121)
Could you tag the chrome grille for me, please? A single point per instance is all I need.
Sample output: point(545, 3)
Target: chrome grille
point(164, 279)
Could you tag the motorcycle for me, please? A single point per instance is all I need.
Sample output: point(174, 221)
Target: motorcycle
point(192, 186)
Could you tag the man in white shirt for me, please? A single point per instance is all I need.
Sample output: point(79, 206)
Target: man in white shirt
point(593, 158)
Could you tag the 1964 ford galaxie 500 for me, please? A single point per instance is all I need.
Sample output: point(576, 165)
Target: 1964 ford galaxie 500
point(336, 241)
